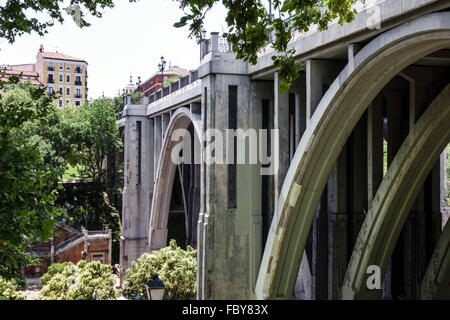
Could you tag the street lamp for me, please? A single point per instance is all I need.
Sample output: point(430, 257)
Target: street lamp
point(201, 36)
point(155, 288)
point(138, 85)
point(161, 67)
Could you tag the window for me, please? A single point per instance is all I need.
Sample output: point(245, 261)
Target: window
point(61, 90)
point(50, 90)
point(68, 78)
point(98, 257)
point(77, 103)
point(78, 80)
point(67, 101)
point(67, 91)
point(61, 66)
point(60, 78)
point(60, 102)
point(78, 92)
point(68, 66)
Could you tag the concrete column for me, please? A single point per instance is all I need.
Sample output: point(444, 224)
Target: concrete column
point(374, 148)
point(320, 250)
point(157, 144)
point(300, 107)
point(337, 225)
point(357, 183)
point(137, 195)
point(281, 123)
point(165, 119)
point(319, 76)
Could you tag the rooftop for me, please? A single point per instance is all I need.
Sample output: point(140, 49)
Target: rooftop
point(59, 56)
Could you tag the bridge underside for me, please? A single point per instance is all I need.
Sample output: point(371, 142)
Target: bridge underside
point(359, 181)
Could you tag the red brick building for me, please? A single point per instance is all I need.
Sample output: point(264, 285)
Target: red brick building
point(154, 82)
point(71, 245)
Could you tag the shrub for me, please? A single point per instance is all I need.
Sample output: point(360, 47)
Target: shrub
point(176, 267)
point(10, 290)
point(51, 271)
point(84, 281)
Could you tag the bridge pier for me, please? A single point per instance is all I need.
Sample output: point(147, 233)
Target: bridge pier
point(301, 231)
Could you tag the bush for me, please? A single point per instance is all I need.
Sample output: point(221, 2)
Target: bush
point(176, 267)
point(84, 281)
point(51, 271)
point(10, 290)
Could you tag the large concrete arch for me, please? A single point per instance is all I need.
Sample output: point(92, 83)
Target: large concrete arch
point(181, 119)
point(395, 197)
point(330, 126)
point(435, 283)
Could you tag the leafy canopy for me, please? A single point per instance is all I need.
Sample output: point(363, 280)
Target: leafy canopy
point(83, 281)
point(15, 19)
point(28, 182)
point(249, 25)
point(176, 267)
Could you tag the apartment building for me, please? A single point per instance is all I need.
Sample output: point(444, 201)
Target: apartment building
point(64, 76)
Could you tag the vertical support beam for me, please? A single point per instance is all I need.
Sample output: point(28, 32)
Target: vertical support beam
point(394, 140)
point(165, 118)
point(300, 107)
point(337, 225)
point(320, 250)
point(281, 123)
point(157, 143)
point(374, 148)
point(318, 74)
point(357, 184)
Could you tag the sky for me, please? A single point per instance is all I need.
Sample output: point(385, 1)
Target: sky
point(129, 39)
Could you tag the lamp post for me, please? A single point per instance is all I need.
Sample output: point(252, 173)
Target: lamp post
point(138, 85)
point(155, 288)
point(200, 38)
point(161, 67)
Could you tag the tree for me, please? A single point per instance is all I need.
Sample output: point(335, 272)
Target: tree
point(28, 183)
point(83, 281)
point(249, 25)
point(176, 267)
point(15, 19)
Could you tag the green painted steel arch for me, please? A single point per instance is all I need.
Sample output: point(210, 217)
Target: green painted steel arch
point(333, 121)
point(395, 197)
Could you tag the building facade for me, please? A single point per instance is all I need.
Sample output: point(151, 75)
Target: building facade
point(153, 84)
point(64, 76)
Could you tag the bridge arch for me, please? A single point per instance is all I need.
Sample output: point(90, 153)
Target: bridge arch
point(396, 195)
point(182, 118)
point(330, 126)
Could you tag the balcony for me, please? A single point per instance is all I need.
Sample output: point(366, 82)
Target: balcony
point(78, 96)
point(50, 80)
point(78, 83)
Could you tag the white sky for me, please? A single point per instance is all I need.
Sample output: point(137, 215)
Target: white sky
point(131, 37)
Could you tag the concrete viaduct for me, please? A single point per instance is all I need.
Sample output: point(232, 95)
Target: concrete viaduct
point(358, 150)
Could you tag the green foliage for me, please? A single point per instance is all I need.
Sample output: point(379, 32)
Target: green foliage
point(15, 18)
point(10, 290)
point(81, 136)
point(86, 204)
point(249, 26)
point(171, 79)
point(176, 267)
point(28, 181)
point(83, 281)
point(51, 271)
